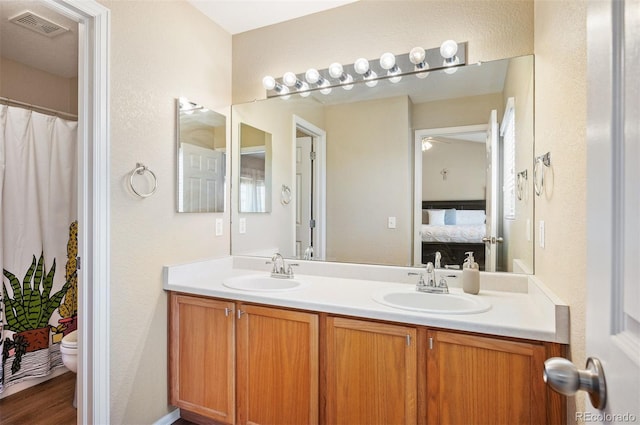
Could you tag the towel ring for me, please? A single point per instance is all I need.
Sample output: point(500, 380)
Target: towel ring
point(542, 161)
point(285, 195)
point(140, 170)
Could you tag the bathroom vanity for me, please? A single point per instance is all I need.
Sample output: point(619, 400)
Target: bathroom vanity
point(330, 351)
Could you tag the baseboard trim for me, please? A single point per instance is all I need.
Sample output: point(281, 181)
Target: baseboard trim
point(169, 418)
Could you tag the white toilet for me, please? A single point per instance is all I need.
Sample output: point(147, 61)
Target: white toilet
point(69, 351)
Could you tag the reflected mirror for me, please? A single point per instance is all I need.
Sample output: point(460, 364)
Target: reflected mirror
point(202, 143)
point(254, 182)
point(403, 173)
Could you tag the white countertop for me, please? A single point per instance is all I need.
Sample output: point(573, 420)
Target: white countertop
point(522, 307)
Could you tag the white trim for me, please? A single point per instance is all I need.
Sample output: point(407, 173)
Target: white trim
point(94, 209)
point(319, 182)
point(169, 418)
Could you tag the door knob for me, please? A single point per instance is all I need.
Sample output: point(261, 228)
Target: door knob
point(564, 377)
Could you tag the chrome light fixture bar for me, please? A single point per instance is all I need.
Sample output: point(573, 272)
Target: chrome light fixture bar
point(388, 69)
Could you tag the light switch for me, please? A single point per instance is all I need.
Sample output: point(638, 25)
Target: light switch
point(242, 226)
point(219, 228)
point(541, 233)
point(391, 223)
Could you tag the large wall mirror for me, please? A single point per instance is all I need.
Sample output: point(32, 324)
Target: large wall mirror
point(402, 173)
point(202, 144)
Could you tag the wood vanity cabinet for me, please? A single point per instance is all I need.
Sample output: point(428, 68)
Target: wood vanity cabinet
point(202, 356)
point(263, 360)
point(277, 373)
point(371, 372)
point(480, 380)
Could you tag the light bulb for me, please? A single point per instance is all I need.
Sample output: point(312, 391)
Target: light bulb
point(426, 144)
point(326, 89)
point(387, 60)
point(361, 66)
point(269, 83)
point(371, 80)
point(451, 70)
point(290, 79)
point(312, 75)
point(304, 89)
point(393, 73)
point(335, 70)
point(448, 49)
point(422, 75)
point(284, 92)
point(348, 82)
point(417, 55)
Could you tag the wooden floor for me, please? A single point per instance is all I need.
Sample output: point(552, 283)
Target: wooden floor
point(49, 403)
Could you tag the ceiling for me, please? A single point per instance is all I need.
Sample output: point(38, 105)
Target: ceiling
point(59, 55)
point(236, 16)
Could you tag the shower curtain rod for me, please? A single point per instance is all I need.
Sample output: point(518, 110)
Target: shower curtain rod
point(36, 107)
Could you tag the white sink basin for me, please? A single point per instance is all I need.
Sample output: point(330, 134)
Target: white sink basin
point(432, 303)
point(261, 283)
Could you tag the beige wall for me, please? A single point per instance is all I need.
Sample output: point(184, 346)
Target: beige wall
point(174, 51)
point(27, 84)
point(466, 172)
point(560, 128)
point(471, 110)
point(494, 30)
point(369, 178)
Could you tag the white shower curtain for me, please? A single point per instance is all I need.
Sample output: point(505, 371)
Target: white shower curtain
point(38, 241)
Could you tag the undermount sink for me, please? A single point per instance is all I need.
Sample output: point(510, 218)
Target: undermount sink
point(432, 303)
point(262, 283)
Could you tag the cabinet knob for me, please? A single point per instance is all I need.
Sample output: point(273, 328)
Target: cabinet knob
point(240, 313)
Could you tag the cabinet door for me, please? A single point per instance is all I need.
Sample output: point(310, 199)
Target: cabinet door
point(480, 380)
point(201, 357)
point(371, 373)
point(277, 374)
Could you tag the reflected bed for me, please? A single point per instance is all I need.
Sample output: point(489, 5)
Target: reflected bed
point(453, 228)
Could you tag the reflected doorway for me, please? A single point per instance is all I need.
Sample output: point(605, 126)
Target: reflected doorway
point(309, 196)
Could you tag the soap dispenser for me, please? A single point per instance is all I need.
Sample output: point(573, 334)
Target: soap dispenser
point(470, 275)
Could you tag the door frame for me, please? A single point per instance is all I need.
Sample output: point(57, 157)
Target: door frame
point(417, 178)
point(94, 27)
point(319, 184)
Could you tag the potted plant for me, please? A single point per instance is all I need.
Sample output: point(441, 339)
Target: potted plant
point(29, 311)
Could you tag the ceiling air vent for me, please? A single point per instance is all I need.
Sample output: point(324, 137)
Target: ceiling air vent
point(30, 20)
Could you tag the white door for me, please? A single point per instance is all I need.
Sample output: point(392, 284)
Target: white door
point(613, 205)
point(203, 179)
point(303, 194)
point(491, 194)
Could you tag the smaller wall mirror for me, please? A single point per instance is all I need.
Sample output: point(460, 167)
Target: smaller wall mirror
point(202, 143)
point(255, 170)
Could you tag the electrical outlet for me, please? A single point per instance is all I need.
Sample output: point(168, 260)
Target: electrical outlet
point(541, 233)
point(242, 226)
point(391, 223)
point(219, 228)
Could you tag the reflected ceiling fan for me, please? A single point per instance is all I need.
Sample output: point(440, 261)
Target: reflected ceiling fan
point(429, 141)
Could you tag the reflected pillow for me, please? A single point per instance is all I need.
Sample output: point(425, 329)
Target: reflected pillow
point(450, 216)
point(436, 217)
point(470, 217)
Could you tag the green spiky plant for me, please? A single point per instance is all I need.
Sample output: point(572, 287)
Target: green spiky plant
point(32, 304)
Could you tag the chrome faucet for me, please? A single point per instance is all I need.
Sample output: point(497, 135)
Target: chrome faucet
point(428, 284)
point(438, 258)
point(280, 268)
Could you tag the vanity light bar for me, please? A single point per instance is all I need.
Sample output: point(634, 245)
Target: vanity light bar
point(387, 69)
